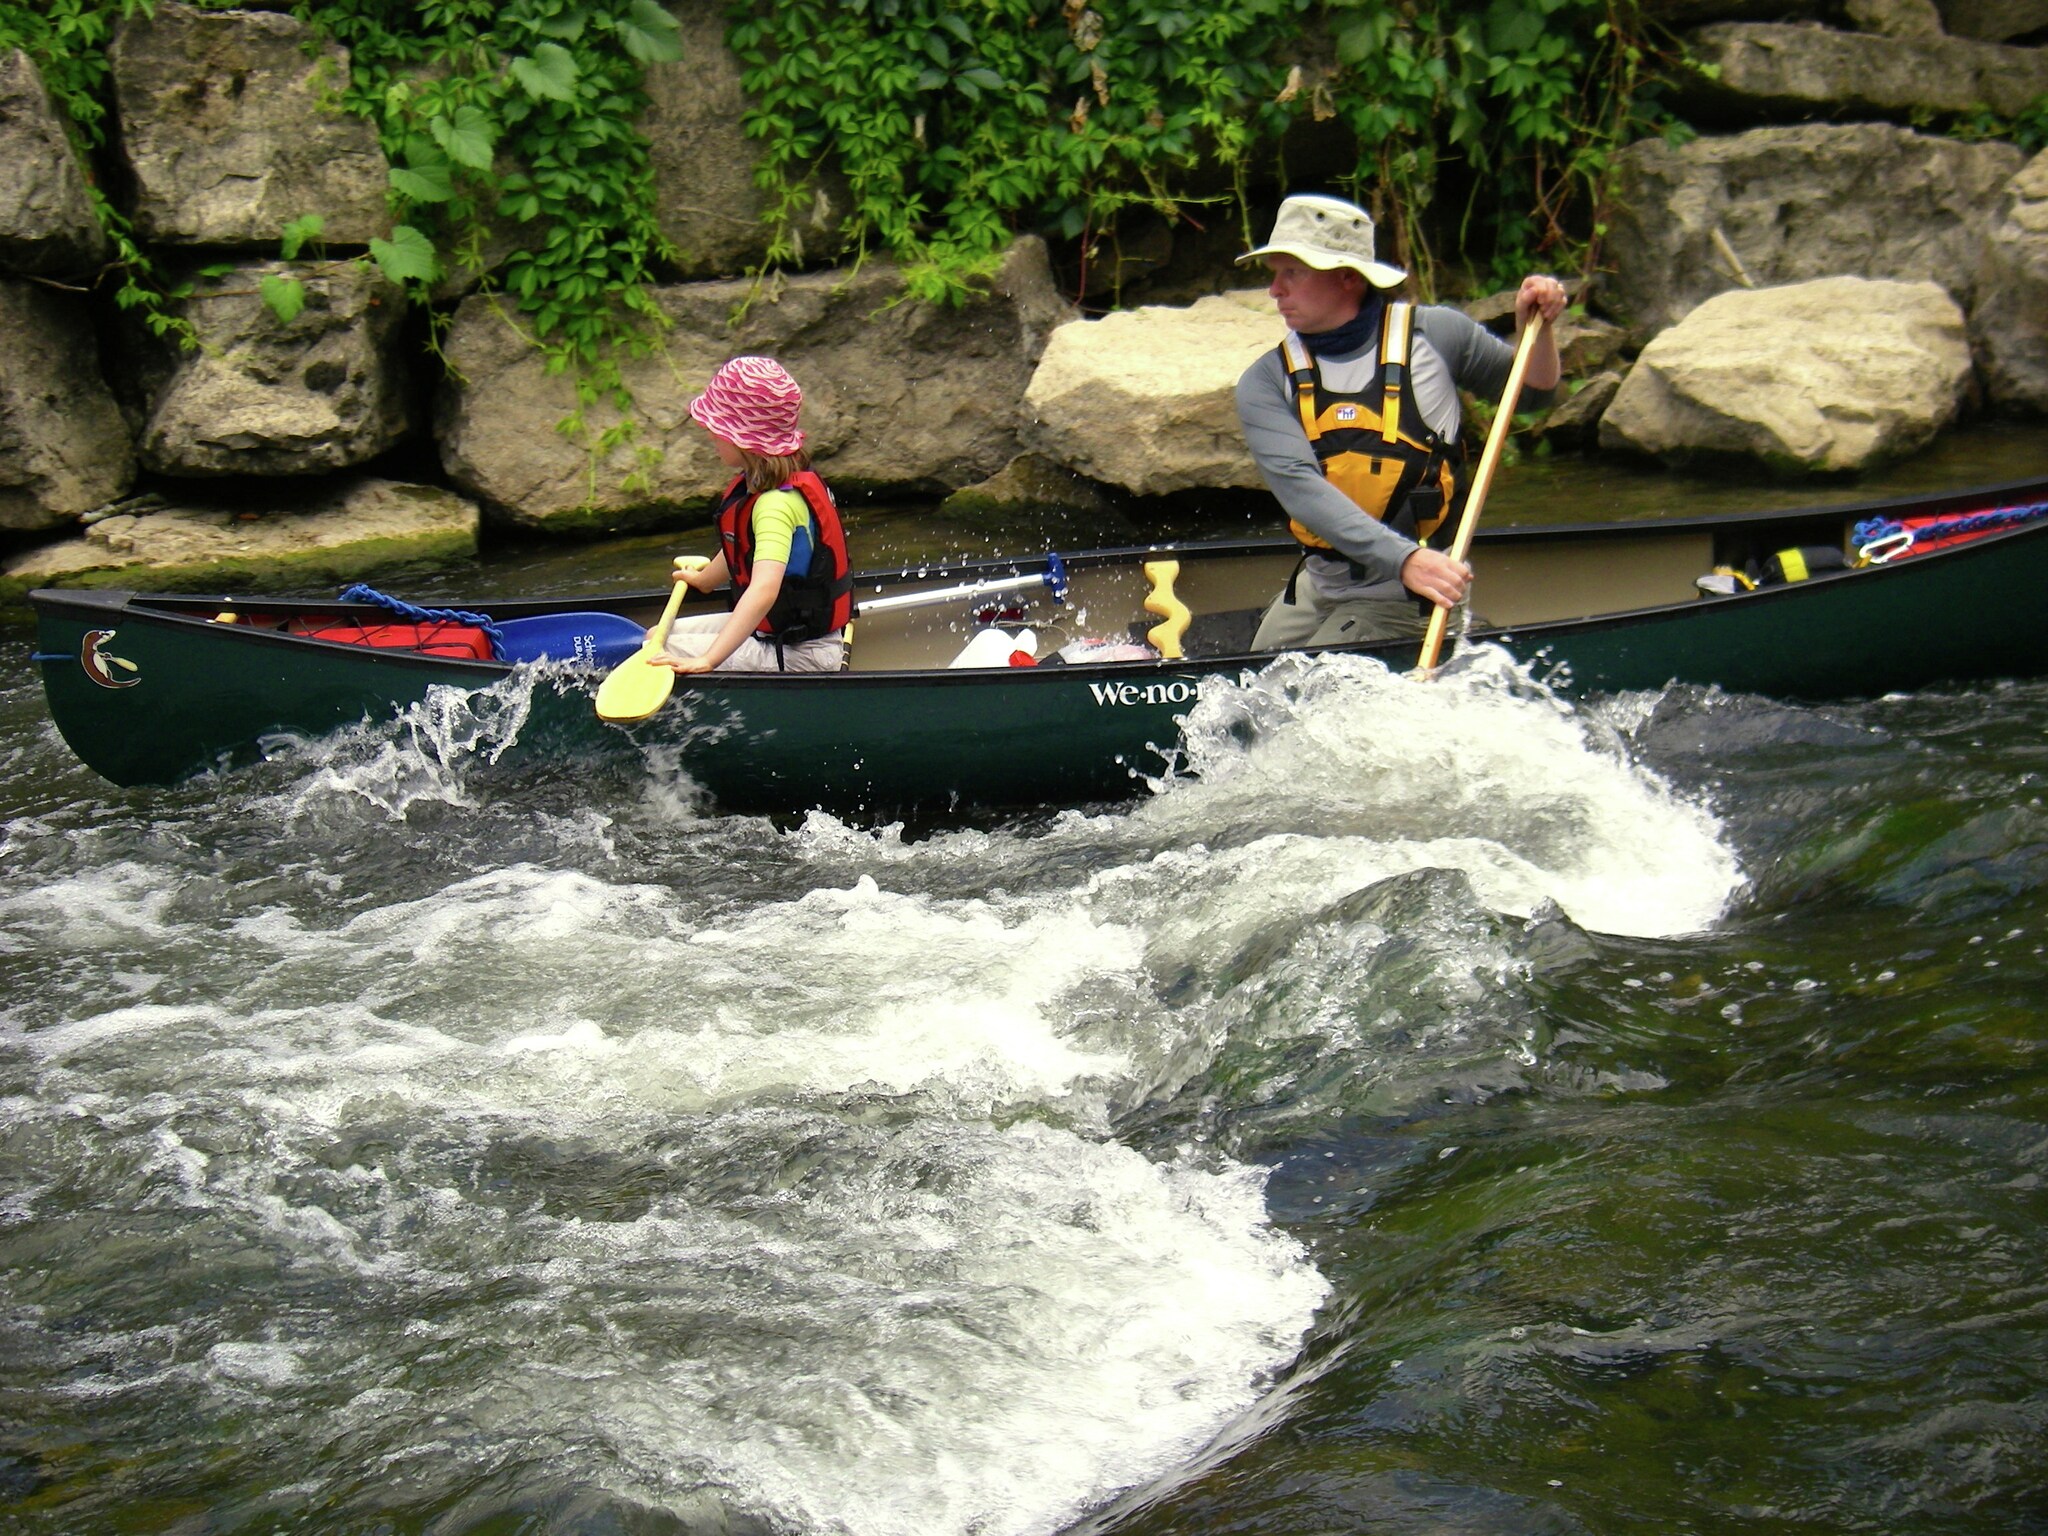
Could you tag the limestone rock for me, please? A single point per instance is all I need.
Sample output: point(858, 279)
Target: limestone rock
point(1904, 19)
point(1832, 375)
point(63, 444)
point(1029, 483)
point(346, 531)
point(232, 127)
point(1574, 422)
point(1797, 71)
point(1994, 21)
point(261, 397)
point(1585, 343)
point(1686, 13)
point(1814, 201)
point(899, 395)
point(1145, 399)
point(2011, 324)
point(47, 223)
point(705, 198)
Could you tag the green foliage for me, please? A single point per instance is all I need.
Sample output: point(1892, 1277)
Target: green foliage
point(2029, 129)
point(514, 123)
point(1476, 130)
point(286, 296)
point(957, 125)
point(68, 39)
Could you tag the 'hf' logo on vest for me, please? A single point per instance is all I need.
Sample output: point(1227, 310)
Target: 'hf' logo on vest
point(1347, 413)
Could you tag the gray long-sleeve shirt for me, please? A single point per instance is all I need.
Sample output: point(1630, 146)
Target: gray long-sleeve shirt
point(1450, 352)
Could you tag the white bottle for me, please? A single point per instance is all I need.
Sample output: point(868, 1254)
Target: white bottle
point(991, 647)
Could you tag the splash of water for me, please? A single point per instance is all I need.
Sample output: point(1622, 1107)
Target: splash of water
point(1336, 770)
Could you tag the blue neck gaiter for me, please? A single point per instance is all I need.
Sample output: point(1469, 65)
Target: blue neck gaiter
point(1354, 335)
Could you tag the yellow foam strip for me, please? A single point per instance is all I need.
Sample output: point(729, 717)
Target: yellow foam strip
point(1165, 636)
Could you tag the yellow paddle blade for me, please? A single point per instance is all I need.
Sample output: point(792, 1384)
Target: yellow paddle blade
point(636, 687)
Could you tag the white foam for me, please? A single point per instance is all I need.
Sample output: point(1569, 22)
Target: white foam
point(997, 1330)
point(784, 1163)
point(1476, 769)
point(421, 756)
point(255, 1364)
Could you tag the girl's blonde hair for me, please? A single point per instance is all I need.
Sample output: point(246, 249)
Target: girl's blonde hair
point(764, 472)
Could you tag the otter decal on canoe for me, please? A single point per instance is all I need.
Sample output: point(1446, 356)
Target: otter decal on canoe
point(95, 658)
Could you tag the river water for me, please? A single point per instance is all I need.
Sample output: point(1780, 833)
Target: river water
point(1457, 1110)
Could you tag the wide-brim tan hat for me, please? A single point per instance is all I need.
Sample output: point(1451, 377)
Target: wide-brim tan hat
point(1326, 232)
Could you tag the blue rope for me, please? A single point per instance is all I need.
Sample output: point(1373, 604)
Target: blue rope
point(1873, 529)
point(360, 593)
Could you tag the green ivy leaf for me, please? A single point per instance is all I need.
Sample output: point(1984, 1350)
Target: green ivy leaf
point(298, 234)
point(650, 34)
point(469, 138)
point(550, 74)
point(423, 184)
point(564, 28)
point(286, 296)
point(408, 256)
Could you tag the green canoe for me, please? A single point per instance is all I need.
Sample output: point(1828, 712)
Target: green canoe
point(148, 689)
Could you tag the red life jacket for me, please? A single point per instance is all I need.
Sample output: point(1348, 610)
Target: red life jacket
point(813, 603)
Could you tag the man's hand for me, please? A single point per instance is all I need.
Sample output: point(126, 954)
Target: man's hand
point(1540, 299)
point(1539, 294)
point(1432, 574)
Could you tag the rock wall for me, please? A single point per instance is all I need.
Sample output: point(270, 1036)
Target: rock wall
point(1821, 169)
point(225, 128)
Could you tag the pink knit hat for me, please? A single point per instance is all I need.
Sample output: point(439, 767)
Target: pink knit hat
point(752, 403)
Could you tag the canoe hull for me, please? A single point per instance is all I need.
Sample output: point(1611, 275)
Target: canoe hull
point(149, 690)
point(1972, 613)
point(196, 696)
point(189, 696)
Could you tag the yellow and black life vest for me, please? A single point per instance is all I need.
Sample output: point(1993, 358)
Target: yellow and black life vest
point(1373, 444)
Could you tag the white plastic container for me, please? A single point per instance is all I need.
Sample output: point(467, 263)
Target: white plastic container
point(993, 647)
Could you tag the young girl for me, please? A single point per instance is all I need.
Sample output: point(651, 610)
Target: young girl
point(780, 543)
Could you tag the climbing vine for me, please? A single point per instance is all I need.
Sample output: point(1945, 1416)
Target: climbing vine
point(1480, 133)
point(67, 41)
point(955, 126)
point(502, 119)
point(513, 121)
point(1521, 103)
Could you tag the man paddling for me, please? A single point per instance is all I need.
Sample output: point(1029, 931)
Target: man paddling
point(1353, 423)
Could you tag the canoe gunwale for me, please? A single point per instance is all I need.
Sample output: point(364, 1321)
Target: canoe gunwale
point(195, 610)
point(936, 734)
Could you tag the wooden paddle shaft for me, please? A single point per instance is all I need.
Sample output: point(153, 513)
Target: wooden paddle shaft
point(1439, 618)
